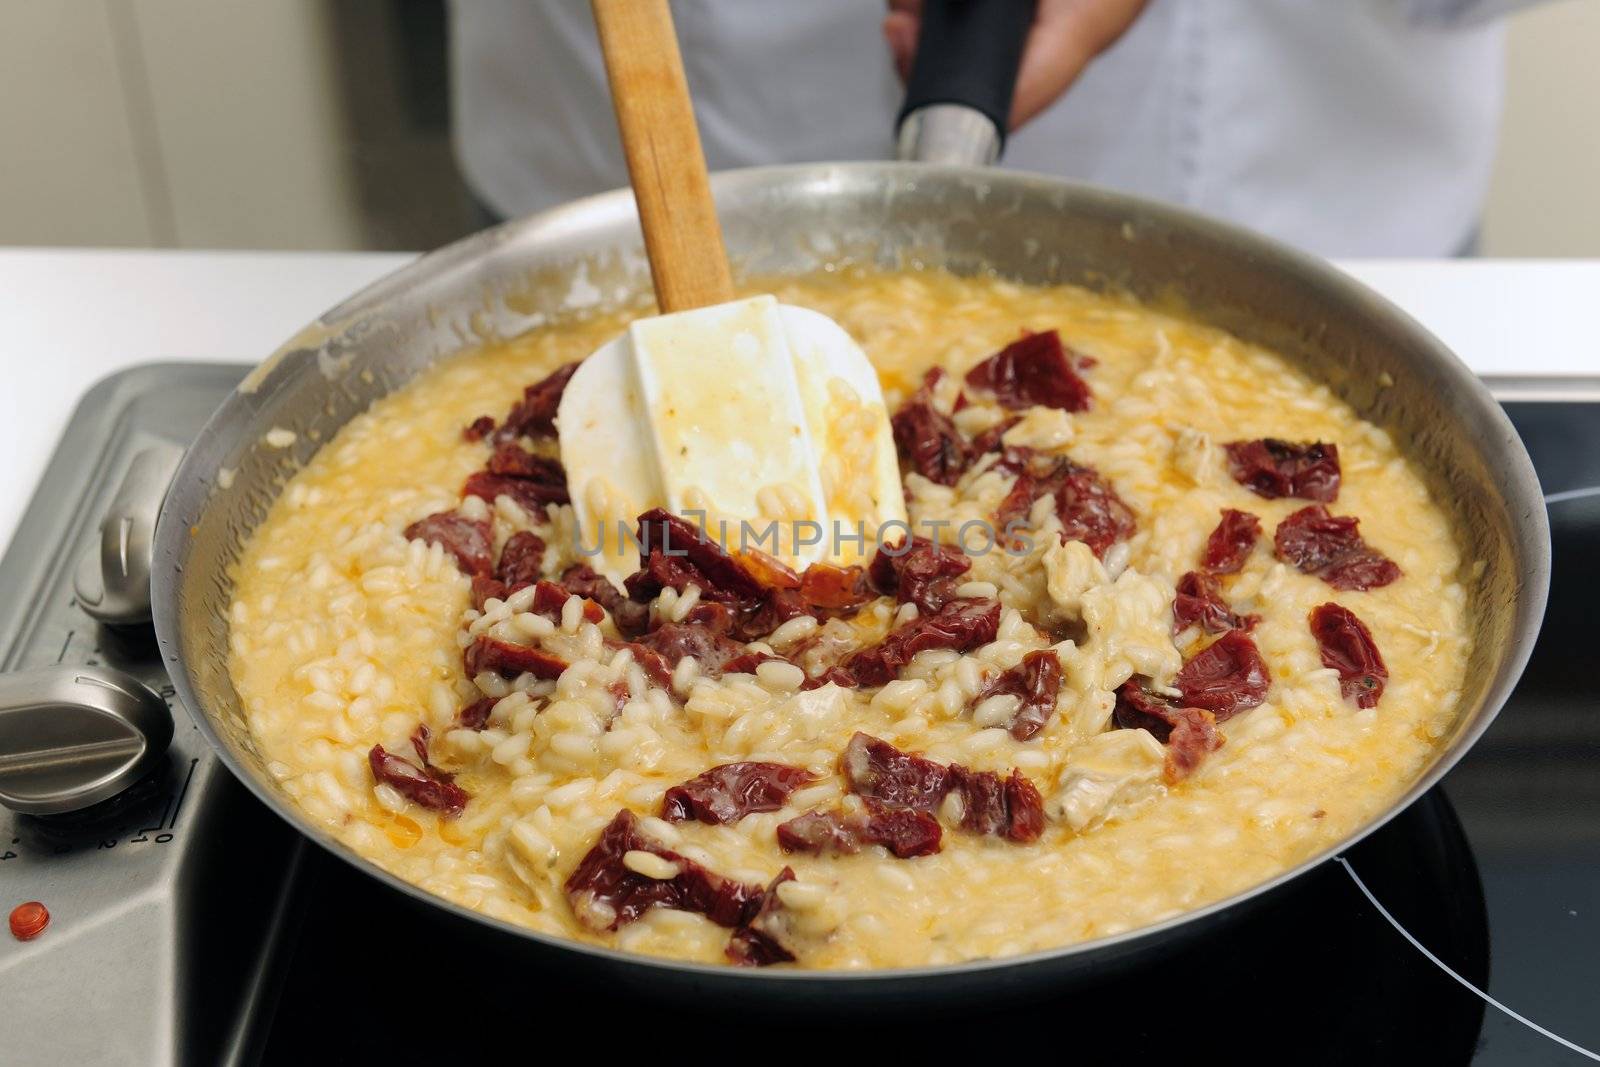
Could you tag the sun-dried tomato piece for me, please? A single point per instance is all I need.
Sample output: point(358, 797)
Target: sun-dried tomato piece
point(726, 577)
point(478, 428)
point(675, 640)
point(1016, 506)
point(761, 592)
point(549, 599)
point(1035, 681)
point(1193, 737)
point(1009, 808)
point(922, 572)
point(1311, 539)
point(470, 541)
point(775, 609)
point(584, 580)
point(521, 560)
point(509, 660)
point(1231, 542)
point(1089, 508)
point(822, 831)
point(764, 940)
point(675, 553)
point(1225, 678)
point(1273, 468)
point(535, 414)
point(832, 588)
point(511, 459)
point(927, 438)
point(1361, 570)
point(1033, 369)
point(729, 792)
point(905, 832)
point(1347, 646)
point(630, 616)
point(425, 786)
point(961, 626)
point(1189, 733)
point(605, 893)
point(713, 650)
point(835, 675)
point(658, 571)
point(654, 664)
point(530, 495)
point(475, 716)
point(929, 442)
point(718, 618)
point(895, 780)
point(983, 804)
point(876, 769)
point(485, 589)
point(747, 662)
point(1332, 548)
point(1199, 602)
point(1024, 810)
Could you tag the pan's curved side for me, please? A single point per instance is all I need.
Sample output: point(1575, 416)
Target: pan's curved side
point(794, 219)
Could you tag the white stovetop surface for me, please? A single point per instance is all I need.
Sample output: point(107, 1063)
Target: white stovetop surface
point(70, 317)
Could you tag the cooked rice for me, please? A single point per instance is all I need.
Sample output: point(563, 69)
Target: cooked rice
point(346, 635)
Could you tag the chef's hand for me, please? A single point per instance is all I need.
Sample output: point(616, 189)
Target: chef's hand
point(1066, 35)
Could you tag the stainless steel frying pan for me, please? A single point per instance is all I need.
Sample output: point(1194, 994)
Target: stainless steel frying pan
point(791, 220)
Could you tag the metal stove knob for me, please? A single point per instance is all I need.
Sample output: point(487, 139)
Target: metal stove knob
point(72, 736)
point(113, 583)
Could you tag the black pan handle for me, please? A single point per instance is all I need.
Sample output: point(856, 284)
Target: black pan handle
point(958, 98)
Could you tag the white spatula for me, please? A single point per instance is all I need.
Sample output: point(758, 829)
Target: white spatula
point(727, 411)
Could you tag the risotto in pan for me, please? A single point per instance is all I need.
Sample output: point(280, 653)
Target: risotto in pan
point(1167, 619)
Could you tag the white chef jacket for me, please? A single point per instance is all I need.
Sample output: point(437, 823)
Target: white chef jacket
point(1348, 127)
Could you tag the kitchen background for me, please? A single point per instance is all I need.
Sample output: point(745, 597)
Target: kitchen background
point(207, 124)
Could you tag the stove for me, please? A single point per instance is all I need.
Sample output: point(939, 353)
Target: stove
point(189, 925)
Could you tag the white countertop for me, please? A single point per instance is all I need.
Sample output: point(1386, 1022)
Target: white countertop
point(70, 317)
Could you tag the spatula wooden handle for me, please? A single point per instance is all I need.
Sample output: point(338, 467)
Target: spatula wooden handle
point(665, 162)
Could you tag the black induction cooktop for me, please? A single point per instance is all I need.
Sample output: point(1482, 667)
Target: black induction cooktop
point(1490, 882)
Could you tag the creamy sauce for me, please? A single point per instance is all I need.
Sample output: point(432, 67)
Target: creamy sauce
point(344, 635)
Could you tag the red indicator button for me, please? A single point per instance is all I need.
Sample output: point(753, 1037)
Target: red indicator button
point(29, 920)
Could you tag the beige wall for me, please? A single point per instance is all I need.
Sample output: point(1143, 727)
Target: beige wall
point(195, 123)
point(214, 123)
point(1545, 200)
point(241, 103)
point(69, 173)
